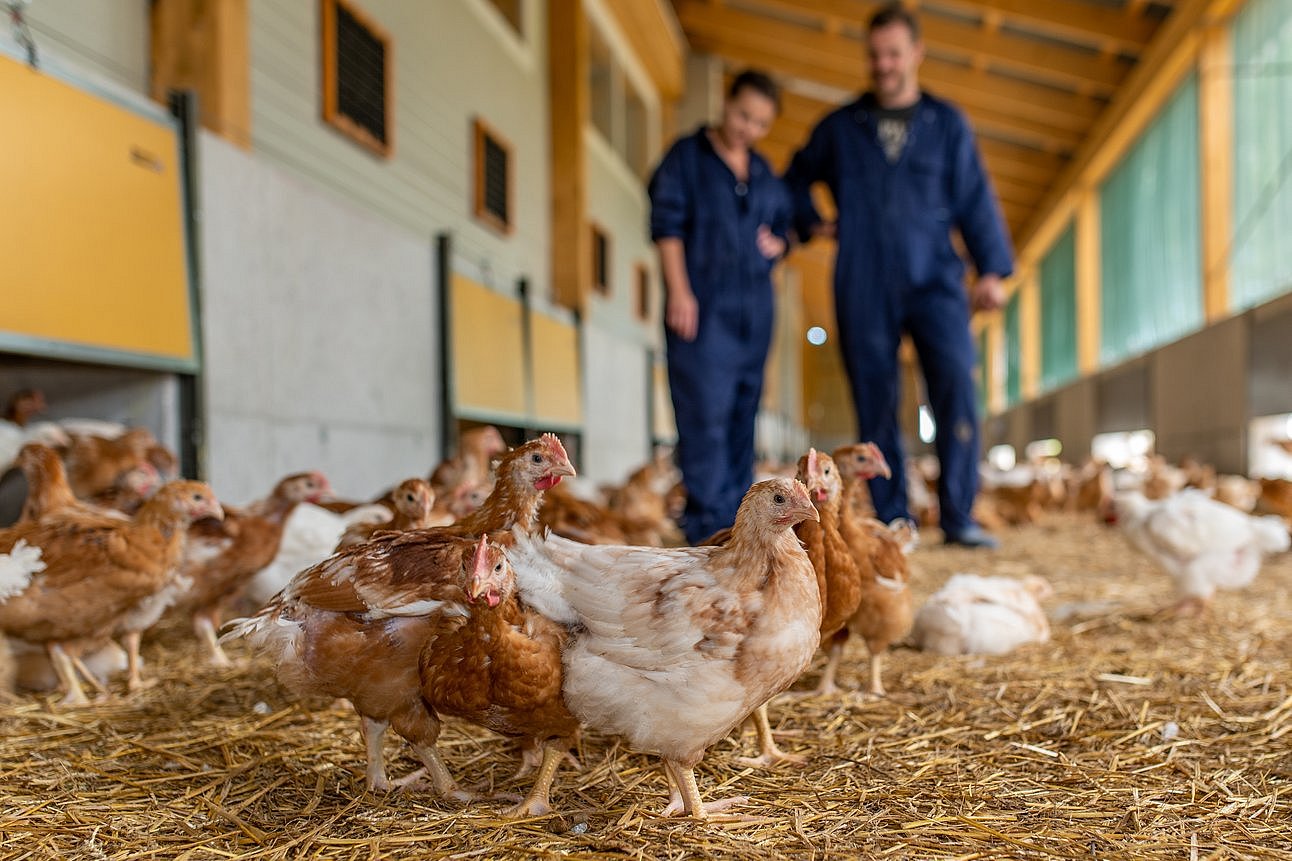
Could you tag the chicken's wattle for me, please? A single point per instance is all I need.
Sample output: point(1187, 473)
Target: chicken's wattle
point(547, 482)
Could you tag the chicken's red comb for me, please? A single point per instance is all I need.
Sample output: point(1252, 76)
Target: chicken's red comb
point(813, 462)
point(554, 446)
point(479, 561)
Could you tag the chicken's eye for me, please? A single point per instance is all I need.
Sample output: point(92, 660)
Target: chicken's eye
point(498, 567)
point(536, 457)
point(197, 497)
point(827, 470)
point(779, 499)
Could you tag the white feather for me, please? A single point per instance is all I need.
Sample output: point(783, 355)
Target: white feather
point(980, 615)
point(17, 567)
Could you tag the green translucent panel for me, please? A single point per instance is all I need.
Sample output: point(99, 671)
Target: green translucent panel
point(1059, 311)
point(1262, 49)
point(1013, 353)
point(1150, 235)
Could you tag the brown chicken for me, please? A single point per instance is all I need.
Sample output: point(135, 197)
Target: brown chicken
point(857, 464)
point(580, 520)
point(95, 572)
point(1276, 497)
point(354, 626)
point(501, 669)
point(411, 503)
point(884, 612)
point(94, 463)
point(477, 448)
point(47, 489)
point(408, 588)
point(839, 574)
point(222, 558)
point(675, 647)
point(130, 491)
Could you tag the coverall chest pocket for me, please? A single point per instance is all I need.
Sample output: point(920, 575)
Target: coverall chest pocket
point(929, 179)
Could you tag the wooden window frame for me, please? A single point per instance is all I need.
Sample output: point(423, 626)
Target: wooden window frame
point(480, 130)
point(331, 111)
point(595, 230)
point(643, 303)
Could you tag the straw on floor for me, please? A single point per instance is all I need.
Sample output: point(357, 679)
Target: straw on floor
point(1125, 736)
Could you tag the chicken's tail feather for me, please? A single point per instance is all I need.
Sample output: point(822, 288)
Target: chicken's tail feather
point(539, 579)
point(1272, 534)
point(17, 567)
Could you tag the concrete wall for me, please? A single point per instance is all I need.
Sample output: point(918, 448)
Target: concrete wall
point(318, 322)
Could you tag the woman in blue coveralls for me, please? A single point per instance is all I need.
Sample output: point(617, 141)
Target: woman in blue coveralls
point(720, 219)
point(904, 171)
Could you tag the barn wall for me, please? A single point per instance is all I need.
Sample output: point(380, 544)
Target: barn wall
point(318, 322)
point(453, 60)
point(107, 39)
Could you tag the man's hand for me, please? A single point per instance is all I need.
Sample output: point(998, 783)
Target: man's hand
point(682, 313)
point(988, 293)
point(770, 245)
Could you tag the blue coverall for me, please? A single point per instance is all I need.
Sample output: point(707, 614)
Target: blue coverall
point(897, 270)
point(717, 380)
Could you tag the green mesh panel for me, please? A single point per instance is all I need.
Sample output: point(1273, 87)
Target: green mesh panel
point(1013, 353)
point(1151, 237)
point(1058, 290)
point(1262, 50)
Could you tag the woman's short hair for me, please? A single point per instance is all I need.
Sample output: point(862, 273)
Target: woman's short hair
point(759, 82)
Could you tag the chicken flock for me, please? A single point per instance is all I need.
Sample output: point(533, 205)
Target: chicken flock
point(501, 592)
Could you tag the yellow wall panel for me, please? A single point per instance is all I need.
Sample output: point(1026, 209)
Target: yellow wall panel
point(558, 384)
point(488, 353)
point(92, 224)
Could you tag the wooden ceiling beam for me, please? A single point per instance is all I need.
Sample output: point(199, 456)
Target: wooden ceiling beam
point(1071, 67)
point(652, 29)
point(1095, 26)
point(987, 114)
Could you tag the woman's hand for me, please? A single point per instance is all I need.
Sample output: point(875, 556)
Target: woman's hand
point(682, 313)
point(770, 245)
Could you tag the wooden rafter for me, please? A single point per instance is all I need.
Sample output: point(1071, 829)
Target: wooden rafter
point(948, 37)
point(1118, 30)
point(836, 62)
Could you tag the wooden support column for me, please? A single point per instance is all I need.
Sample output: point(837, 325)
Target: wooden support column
point(1089, 279)
point(1029, 335)
point(992, 365)
point(568, 42)
point(1216, 128)
point(204, 46)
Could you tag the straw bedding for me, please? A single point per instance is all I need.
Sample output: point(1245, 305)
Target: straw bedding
point(1125, 736)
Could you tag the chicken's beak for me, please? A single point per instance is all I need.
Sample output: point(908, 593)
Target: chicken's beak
point(214, 510)
point(880, 464)
point(564, 469)
point(803, 505)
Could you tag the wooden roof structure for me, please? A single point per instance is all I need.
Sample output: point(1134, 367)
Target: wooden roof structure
point(1033, 77)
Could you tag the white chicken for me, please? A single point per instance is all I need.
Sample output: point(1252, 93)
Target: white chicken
point(1201, 543)
point(309, 536)
point(974, 615)
point(673, 648)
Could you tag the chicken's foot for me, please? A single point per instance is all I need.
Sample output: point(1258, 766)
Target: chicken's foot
point(89, 676)
point(685, 794)
point(134, 681)
point(442, 781)
point(769, 753)
point(538, 803)
point(204, 627)
point(66, 672)
point(876, 672)
point(373, 733)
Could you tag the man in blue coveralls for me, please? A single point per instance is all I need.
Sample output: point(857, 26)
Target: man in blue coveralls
point(904, 171)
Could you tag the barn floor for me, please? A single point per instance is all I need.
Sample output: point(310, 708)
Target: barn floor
point(1124, 736)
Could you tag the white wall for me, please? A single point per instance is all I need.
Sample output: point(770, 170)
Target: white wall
point(453, 60)
point(318, 322)
point(108, 38)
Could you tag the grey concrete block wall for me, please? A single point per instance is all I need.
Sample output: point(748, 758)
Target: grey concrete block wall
point(1200, 404)
point(319, 332)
